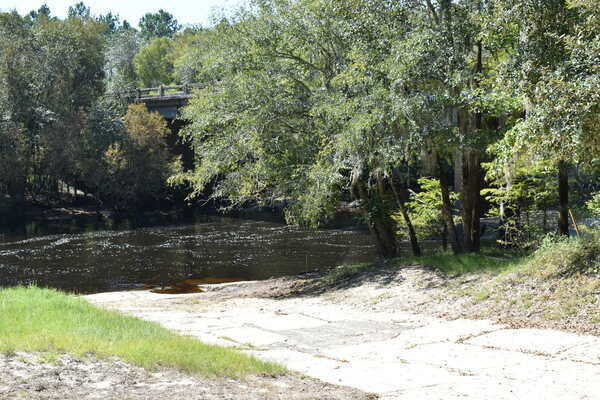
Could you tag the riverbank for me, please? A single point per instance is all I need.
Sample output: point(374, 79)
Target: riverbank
point(389, 331)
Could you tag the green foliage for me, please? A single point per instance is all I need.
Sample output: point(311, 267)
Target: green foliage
point(41, 320)
point(302, 109)
point(154, 64)
point(187, 54)
point(531, 188)
point(593, 205)
point(158, 25)
point(121, 49)
point(558, 58)
point(79, 10)
point(50, 75)
point(313, 103)
point(522, 200)
point(425, 209)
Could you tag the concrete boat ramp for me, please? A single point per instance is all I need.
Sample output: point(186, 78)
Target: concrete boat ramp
point(396, 355)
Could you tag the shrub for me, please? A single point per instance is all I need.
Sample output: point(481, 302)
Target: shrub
point(558, 256)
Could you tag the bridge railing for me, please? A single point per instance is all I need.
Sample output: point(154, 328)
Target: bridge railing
point(165, 91)
point(160, 92)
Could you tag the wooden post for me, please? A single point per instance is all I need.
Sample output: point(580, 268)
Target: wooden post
point(574, 222)
point(161, 91)
point(138, 94)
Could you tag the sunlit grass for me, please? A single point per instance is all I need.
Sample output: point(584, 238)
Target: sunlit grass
point(42, 320)
point(488, 260)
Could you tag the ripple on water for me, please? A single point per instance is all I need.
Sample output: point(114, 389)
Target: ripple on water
point(220, 248)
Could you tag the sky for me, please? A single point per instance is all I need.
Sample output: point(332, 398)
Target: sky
point(187, 12)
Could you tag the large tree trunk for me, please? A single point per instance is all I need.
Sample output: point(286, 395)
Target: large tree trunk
point(447, 208)
point(471, 199)
point(563, 193)
point(472, 174)
point(381, 224)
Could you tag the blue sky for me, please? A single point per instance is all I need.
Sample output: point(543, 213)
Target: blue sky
point(186, 11)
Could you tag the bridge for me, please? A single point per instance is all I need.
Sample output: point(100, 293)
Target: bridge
point(165, 99)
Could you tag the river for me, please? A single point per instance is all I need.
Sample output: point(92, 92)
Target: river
point(92, 258)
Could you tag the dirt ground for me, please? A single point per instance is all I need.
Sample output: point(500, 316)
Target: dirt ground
point(423, 290)
point(26, 376)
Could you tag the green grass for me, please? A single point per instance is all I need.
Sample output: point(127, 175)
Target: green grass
point(42, 320)
point(488, 260)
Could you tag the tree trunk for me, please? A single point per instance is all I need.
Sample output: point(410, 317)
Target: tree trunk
point(414, 242)
point(412, 234)
point(472, 174)
point(471, 199)
point(563, 193)
point(447, 209)
point(382, 229)
point(380, 222)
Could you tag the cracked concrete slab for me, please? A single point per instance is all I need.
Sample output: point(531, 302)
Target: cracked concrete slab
point(529, 340)
point(588, 351)
point(250, 336)
point(397, 355)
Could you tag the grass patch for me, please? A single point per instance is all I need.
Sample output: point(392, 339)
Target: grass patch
point(559, 282)
point(43, 320)
point(488, 260)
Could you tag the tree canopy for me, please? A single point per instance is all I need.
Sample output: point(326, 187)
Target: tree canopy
point(441, 112)
point(158, 25)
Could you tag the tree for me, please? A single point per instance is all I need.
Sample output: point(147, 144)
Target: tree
point(560, 83)
point(50, 74)
point(110, 21)
point(185, 55)
point(121, 49)
point(43, 11)
point(153, 63)
point(158, 25)
point(425, 207)
point(79, 10)
point(301, 114)
point(139, 165)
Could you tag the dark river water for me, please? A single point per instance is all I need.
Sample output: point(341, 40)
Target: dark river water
point(88, 260)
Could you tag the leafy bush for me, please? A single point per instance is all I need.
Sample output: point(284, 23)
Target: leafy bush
point(522, 205)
